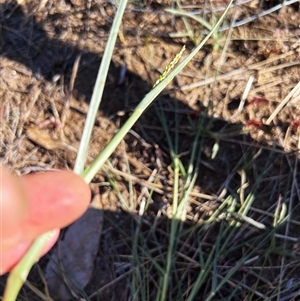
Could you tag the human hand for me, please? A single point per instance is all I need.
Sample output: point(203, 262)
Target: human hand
point(34, 204)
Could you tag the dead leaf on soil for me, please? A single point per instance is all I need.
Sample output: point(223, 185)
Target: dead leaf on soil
point(72, 263)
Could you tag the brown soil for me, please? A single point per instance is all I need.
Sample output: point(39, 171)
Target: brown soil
point(43, 106)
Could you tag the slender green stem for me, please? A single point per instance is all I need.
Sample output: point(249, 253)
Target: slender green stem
point(183, 13)
point(20, 272)
point(99, 88)
point(174, 228)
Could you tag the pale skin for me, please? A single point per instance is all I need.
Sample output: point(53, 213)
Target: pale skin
point(34, 204)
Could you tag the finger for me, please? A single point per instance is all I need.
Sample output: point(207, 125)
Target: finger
point(14, 208)
point(57, 198)
point(9, 259)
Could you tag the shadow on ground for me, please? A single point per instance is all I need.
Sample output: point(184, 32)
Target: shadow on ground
point(25, 41)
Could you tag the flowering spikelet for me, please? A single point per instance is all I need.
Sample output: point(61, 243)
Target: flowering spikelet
point(170, 66)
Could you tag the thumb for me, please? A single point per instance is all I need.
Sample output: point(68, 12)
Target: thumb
point(56, 199)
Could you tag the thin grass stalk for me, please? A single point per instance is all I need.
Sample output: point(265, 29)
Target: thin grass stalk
point(115, 188)
point(174, 223)
point(177, 212)
point(18, 275)
point(174, 229)
point(138, 278)
point(190, 31)
point(99, 88)
point(228, 238)
point(160, 113)
point(171, 247)
point(192, 172)
point(41, 295)
point(206, 266)
point(254, 287)
point(227, 202)
point(130, 184)
point(244, 209)
point(185, 14)
point(246, 206)
point(218, 252)
point(234, 293)
point(157, 243)
point(135, 264)
point(185, 198)
point(176, 140)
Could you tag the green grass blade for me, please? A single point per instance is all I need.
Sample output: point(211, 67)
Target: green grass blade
point(98, 90)
point(20, 272)
point(183, 14)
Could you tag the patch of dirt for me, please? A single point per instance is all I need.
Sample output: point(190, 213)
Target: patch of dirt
point(50, 54)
